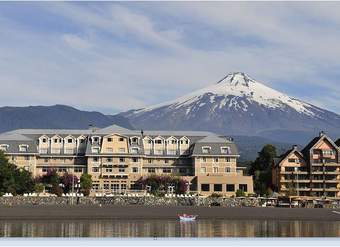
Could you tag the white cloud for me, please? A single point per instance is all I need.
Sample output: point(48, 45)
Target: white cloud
point(123, 57)
point(75, 41)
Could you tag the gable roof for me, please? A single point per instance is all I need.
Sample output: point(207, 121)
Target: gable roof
point(279, 159)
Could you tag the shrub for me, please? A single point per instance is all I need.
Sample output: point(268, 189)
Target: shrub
point(240, 193)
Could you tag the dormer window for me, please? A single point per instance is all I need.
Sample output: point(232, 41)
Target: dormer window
point(23, 148)
point(109, 139)
point(158, 141)
point(121, 139)
point(225, 150)
point(44, 140)
point(134, 150)
point(95, 139)
point(4, 147)
point(205, 150)
point(69, 140)
point(134, 140)
point(95, 150)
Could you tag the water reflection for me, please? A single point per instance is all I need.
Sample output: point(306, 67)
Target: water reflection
point(169, 228)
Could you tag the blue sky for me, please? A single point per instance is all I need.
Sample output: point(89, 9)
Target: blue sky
point(117, 56)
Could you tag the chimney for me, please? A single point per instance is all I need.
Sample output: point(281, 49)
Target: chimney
point(295, 147)
point(142, 133)
point(321, 133)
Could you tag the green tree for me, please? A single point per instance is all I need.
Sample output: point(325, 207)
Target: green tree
point(261, 169)
point(12, 179)
point(86, 183)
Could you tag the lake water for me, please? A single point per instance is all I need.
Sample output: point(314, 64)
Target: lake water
point(168, 228)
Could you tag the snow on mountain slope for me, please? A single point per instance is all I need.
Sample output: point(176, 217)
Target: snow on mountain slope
point(238, 85)
point(238, 105)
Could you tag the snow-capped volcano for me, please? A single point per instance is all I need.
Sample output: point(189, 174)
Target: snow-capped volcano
point(236, 105)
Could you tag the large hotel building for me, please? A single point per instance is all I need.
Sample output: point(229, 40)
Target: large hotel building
point(313, 171)
point(117, 157)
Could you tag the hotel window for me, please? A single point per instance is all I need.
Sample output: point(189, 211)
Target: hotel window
point(149, 161)
point(166, 170)
point(4, 147)
point(227, 170)
point(69, 140)
point(158, 141)
point(134, 150)
point(109, 150)
point(327, 152)
point(27, 157)
point(225, 150)
point(292, 160)
point(106, 186)
point(216, 160)
point(157, 151)
point(121, 159)
point(134, 160)
point(166, 161)
point(115, 187)
point(173, 141)
point(108, 170)
point(205, 150)
point(204, 159)
point(218, 187)
point(121, 139)
point(135, 169)
point(121, 150)
point(230, 187)
point(121, 170)
point(134, 140)
point(44, 140)
point(203, 169)
point(44, 169)
point(109, 159)
point(182, 170)
point(95, 169)
point(109, 139)
point(205, 187)
point(78, 169)
point(123, 186)
point(215, 169)
point(95, 186)
point(95, 139)
point(151, 170)
point(95, 159)
point(243, 187)
point(95, 150)
point(23, 148)
point(227, 159)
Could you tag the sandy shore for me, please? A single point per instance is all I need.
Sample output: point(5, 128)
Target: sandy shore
point(142, 212)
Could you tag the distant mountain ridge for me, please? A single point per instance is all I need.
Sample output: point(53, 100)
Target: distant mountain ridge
point(239, 105)
point(56, 116)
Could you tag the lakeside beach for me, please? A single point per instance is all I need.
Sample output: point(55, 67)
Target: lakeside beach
point(159, 212)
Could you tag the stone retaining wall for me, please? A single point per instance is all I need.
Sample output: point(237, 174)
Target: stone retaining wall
point(143, 201)
point(122, 200)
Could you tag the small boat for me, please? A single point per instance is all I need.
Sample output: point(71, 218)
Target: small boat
point(187, 217)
